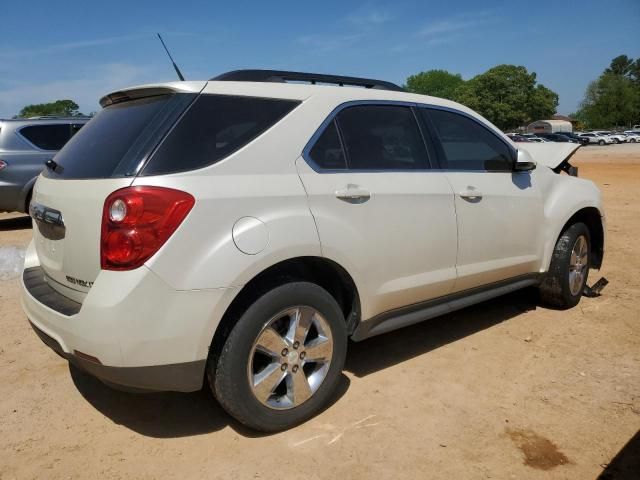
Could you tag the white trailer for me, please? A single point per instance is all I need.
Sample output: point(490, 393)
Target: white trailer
point(549, 126)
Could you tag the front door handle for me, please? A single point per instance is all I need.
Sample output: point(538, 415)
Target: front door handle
point(471, 194)
point(353, 194)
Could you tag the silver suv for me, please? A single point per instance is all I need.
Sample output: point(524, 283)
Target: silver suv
point(25, 146)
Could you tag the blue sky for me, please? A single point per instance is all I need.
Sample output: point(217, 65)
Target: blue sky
point(82, 50)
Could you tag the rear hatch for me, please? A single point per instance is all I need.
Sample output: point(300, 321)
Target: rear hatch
point(105, 155)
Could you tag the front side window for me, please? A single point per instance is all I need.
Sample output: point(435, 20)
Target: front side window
point(467, 145)
point(382, 137)
point(47, 137)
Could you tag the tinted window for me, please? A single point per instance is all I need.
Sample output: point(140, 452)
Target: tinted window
point(214, 127)
point(382, 137)
point(47, 137)
point(468, 145)
point(111, 137)
point(327, 151)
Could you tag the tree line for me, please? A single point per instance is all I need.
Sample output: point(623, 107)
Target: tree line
point(509, 96)
point(613, 99)
point(58, 108)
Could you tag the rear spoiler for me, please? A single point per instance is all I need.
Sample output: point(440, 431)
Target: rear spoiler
point(125, 96)
point(152, 90)
point(553, 155)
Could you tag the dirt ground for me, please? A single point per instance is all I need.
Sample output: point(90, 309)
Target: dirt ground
point(504, 390)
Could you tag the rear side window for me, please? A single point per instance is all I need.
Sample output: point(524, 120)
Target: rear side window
point(214, 127)
point(382, 137)
point(327, 152)
point(47, 137)
point(468, 145)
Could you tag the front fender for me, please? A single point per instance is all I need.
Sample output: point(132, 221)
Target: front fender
point(566, 196)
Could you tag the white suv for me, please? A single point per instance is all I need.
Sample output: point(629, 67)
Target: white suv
point(238, 232)
point(597, 138)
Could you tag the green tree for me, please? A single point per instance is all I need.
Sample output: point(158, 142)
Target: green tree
point(66, 108)
point(437, 83)
point(611, 100)
point(508, 96)
point(621, 65)
point(634, 72)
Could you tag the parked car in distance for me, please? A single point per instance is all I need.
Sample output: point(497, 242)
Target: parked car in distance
point(25, 145)
point(236, 232)
point(532, 137)
point(594, 138)
point(574, 136)
point(516, 137)
point(632, 137)
point(557, 137)
point(615, 137)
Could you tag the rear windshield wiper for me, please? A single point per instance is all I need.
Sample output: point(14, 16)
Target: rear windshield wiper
point(52, 165)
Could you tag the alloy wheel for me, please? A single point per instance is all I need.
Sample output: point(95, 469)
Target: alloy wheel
point(578, 264)
point(290, 358)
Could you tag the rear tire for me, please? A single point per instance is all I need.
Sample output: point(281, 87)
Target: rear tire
point(564, 283)
point(601, 142)
point(27, 202)
point(283, 359)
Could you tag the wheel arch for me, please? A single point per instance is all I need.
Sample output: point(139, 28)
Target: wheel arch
point(593, 219)
point(319, 270)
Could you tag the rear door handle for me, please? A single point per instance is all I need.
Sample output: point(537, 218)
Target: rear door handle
point(471, 194)
point(353, 194)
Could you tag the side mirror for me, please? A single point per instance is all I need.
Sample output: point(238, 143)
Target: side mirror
point(524, 162)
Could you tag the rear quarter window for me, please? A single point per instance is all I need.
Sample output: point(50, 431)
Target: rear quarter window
point(47, 137)
point(214, 127)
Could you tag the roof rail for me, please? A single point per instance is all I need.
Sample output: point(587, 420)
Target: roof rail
point(313, 78)
point(55, 117)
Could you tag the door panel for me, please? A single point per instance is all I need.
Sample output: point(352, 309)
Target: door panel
point(499, 229)
point(397, 236)
point(499, 211)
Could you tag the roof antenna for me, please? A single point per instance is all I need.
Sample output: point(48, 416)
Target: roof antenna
point(171, 58)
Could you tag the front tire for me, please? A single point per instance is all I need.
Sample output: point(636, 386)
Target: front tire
point(564, 283)
point(601, 142)
point(282, 361)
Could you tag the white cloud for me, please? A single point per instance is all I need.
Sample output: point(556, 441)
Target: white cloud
point(64, 47)
point(367, 16)
point(454, 26)
point(325, 43)
point(85, 90)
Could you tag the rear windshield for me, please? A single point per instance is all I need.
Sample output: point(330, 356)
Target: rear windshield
point(214, 127)
point(117, 138)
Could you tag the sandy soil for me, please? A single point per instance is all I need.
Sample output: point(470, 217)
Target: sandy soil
point(506, 389)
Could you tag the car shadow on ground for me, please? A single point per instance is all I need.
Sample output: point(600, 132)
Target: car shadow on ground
point(15, 223)
point(401, 345)
point(169, 415)
point(626, 464)
point(166, 414)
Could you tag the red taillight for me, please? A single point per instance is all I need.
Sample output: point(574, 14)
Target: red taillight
point(3, 164)
point(137, 221)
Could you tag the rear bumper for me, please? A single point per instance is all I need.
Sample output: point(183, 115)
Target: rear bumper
point(142, 333)
point(179, 377)
point(12, 197)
